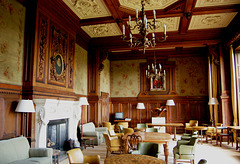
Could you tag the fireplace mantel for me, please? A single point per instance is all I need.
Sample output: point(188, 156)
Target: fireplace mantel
point(50, 109)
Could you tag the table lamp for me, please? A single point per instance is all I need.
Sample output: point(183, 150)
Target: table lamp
point(25, 106)
point(170, 103)
point(82, 101)
point(140, 106)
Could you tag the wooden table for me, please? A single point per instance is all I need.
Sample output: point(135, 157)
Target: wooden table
point(90, 142)
point(236, 131)
point(200, 128)
point(132, 159)
point(175, 125)
point(155, 137)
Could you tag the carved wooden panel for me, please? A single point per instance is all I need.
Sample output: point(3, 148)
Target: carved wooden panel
point(57, 56)
point(71, 61)
point(105, 107)
point(42, 48)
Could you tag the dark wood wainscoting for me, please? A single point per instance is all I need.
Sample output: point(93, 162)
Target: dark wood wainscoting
point(185, 109)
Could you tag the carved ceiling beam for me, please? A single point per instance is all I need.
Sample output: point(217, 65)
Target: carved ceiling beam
point(187, 15)
point(93, 21)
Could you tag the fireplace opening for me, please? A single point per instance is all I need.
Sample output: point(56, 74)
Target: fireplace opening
point(57, 133)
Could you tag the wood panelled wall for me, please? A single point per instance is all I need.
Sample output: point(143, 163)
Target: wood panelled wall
point(186, 108)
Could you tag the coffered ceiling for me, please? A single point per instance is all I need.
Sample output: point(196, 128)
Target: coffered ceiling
point(198, 22)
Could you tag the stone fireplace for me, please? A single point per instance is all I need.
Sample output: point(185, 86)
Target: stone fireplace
point(50, 110)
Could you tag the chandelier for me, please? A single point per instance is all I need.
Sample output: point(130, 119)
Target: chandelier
point(143, 26)
point(155, 71)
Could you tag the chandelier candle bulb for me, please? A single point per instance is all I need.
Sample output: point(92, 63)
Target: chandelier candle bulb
point(160, 67)
point(146, 72)
point(153, 35)
point(165, 29)
point(123, 29)
point(148, 67)
point(164, 72)
point(136, 14)
point(154, 14)
point(129, 20)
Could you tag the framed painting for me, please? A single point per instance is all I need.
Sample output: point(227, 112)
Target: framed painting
point(59, 64)
point(158, 84)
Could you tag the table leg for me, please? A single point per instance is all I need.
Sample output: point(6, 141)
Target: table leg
point(175, 132)
point(201, 136)
point(166, 152)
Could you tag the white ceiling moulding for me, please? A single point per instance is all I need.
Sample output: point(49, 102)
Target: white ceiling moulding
point(207, 3)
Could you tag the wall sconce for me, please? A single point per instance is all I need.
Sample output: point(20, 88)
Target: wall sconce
point(25, 106)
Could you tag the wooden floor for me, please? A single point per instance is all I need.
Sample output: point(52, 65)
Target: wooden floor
point(211, 152)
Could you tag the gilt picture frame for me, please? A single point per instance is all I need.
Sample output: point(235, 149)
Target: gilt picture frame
point(158, 84)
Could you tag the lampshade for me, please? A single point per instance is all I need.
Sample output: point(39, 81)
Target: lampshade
point(83, 101)
point(213, 101)
point(25, 106)
point(140, 106)
point(170, 103)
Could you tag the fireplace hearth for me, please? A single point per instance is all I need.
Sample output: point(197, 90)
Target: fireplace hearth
point(57, 133)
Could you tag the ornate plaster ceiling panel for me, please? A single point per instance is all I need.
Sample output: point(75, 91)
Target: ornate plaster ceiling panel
point(102, 30)
point(86, 9)
point(149, 5)
point(205, 3)
point(211, 21)
point(171, 22)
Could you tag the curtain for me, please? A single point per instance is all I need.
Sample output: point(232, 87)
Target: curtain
point(233, 86)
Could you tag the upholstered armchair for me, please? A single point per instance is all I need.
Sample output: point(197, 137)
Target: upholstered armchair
point(190, 124)
point(113, 144)
point(185, 149)
point(128, 130)
point(124, 125)
point(113, 134)
point(186, 136)
point(151, 129)
point(90, 130)
point(108, 125)
point(147, 148)
point(76, 156)
point(212, 131)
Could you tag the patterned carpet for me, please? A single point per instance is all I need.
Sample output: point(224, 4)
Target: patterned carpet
point(213, 153)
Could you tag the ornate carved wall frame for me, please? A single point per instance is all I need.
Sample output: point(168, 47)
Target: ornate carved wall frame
point(145, 83)
point(57, 56)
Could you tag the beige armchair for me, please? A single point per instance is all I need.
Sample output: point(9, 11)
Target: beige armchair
point(108, 125)
point(190, 124)
point(212, 131)
point(76, 156)
point(124, 125)
point(113, 144)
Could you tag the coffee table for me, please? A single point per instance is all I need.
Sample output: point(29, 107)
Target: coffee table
point(90, 142)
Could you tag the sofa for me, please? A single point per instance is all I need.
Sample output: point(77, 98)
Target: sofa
point(17, 151)
point(89, 130)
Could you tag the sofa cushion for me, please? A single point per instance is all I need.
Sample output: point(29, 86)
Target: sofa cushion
point(37, 160)
point(21, 146)
point(7, 152)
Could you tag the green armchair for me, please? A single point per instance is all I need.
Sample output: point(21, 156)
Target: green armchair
point(147, 148)
point(185, 149)
point(186, 136)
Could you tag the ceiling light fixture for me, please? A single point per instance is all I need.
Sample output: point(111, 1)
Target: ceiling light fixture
point(155, 71)
point(143, 26)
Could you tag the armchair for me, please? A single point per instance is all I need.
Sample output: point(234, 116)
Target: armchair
point(147, 148)
point(113, 144)
point(108, 125)
point(90, 130)
point(190, 124)
point(189, 136)
point(76, 156)
point(185, 149)
point(113, 134)
point(124, 125)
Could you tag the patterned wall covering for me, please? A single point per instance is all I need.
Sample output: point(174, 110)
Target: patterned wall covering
point(80, 85)
point(105, 77)
point(191, 76)
point(125, 78)
point(12, 20)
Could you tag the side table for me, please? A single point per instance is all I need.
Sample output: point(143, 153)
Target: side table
point(56, 154)
point(90, 141)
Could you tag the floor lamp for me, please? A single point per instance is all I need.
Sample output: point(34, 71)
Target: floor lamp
point(213, 101)
point(25, 106)
point(140, 106)
point(82, 101)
